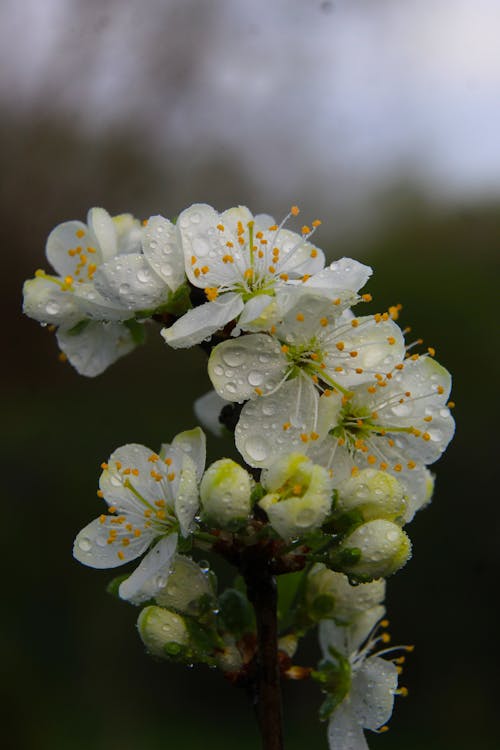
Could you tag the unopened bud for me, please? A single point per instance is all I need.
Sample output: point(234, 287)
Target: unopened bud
point(299, 495)
point(225, 493)
point(186, 589)
point(330, 595)
point(374, 550)
point(163, 632)
point(374, 494)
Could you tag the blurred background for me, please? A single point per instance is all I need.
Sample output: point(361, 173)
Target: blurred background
point(380, 117)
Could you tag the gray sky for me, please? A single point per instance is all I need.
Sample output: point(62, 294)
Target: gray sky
point(343, 92)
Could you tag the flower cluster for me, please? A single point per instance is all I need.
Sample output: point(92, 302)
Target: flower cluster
point(335, 418)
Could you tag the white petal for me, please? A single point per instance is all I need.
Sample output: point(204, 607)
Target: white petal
point(232, 216)
point(187, 497)
point(128, 233)
point(102, 226)
point(44, 300)
point(334, 636)
point(194, 444)
point(372, 692)
point(238, 367)
point(96, 347)
point(362, 626)
point(258, 314)
point(129, 475)
point(341, 276)
point(97, 307)
point(207, 409)
point(201, 322)
point(379, 347)
point(91, 545)
point(163, 252)
point(302, 320)
point(296, 253)
point(344, 732)
point(129, 282)
point(64, 238)
point(138, 587)
point(418, 486)
point(272, 426)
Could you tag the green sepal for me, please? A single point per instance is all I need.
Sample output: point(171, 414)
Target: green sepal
point(203, 640)
point(79, 327)
point(335, 680)
point(114, 585)
point(137, 331)
point(349, 556)
point(178, 302)
point(347, 522)
point(236, 615)
point(257, 494)
point(322, 607)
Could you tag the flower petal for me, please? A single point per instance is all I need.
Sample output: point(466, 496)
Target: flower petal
point(163, 252)
point(96, 347)
point(186, 501)
point(93, 548)
point(141, 585)
point(207, 409)
point(278, 424)
point(45, 301)
point(340, 276)
point(129, 282)
point(248, 367)
point(259, 313)
point(201, 322)
point(344, 731)
point(194, 444)
point(63, 242)
point(372, 692)
point(102, 226)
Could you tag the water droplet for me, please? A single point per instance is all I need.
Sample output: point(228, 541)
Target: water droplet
point(161, 582)
point(52, 308)
point(124, 288)
point(305, 517)
point(166, 269)
point(115, 480)
point(233, 356)
point(256, 448)
point(204, 566)
point(231, 387)
point(195, 218)
point(85, 544)
point(153, 244)
point(218, 370)
point(255, 377)
point(402, 410)
point(268, 409)
point(392, 536)
point(144, 275)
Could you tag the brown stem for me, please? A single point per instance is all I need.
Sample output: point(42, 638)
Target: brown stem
point(262, 592)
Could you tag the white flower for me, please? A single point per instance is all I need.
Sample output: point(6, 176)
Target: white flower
point(376, 549)
point(312, 339)
point(225, 493)
point(396, 424)
point(103, 279)
point(250, 270)
point(151, 497)
point(369, 698)
point(299, 495)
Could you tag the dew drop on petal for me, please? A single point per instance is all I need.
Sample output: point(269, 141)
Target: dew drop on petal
point(218, 370)
point(392, 536)
point(144, 275)
point(85, 544)
point(52, 308)
point(256, 448)
point(124, 288)
point(233, 357)
point(166, 269)
point(255, 377)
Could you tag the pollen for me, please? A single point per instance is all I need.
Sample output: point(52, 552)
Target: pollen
point(426, 436)
point(221, 227)
point(171, 476)
point(324, 322)
point(371, 459)
point(80, 233)
point(366, 297)
point(411, 464)
point(153, 458)
point(397, 467)
point(273, 228)
point(383, 466)
point(287, 426)
point(284, 276)
point(295, 210)
point(314, 436)
point(391, 340)
point(304, 437)
point(300, 317)
point(340, 346)
point(358, 370)
point(305, 229)
point(211, 293)
point(272, 269)
point(227, 259)
point(314, 253)
point(355, 323)
point(248, 273)
point(353, 354)
point(258, 391)
point(205, 269)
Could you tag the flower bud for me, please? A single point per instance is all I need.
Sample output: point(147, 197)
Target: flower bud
point(374, 494)
point(299, 495)
point(225, 493)
point(162, 631)
point(330, 595)
point(229, 657)
point(186, 589)
point(374, 550)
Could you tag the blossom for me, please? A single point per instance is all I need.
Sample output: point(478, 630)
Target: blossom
point(225, 493)
point(251, 269)
point(299, 495)
point(107, 270)
point(313, 339)
point(397, 423)
point(329, 593)
point(151, 498)
point(366, 697)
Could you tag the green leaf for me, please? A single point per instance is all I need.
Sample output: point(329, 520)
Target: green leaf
point(289, 590)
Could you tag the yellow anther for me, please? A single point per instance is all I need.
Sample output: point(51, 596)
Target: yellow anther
point(426, 436)
point(171, 476)
point(366, 297)
point(353, 354)
point(125, 542)
point(121, 555)
point(272, 269)
point(137, 532)
point(411, 464)
point(355, 323)
point(315, 379)
point(314, 253)
point(371, 459)
point(305, 277)
point(399, 367)
point(258, 391)
point(104, 465)
point(127, 471)
point(91, 250)
point(205, 269)
point(80, 233)
point(339, 369)
point(391, 340)
point(340, 346)
point(397, 467)
point(450, 404)
point(211, 293)
point(414, 357)
point(135, 472)
point(385, 728)
point(145, 222)
point(316, 223)
point(323, 322)
point(287, 426)
point(153, 458)
point(228, 259)
point(161, 514)
point(91, 269)
point(148, 513)
point(273, 227)
point(240, 229)
point(295, 210)
point(383, 466)
point(285, 349)
point(337, 301)
point(62, 357)
point(229, 244)
point(327, 392)
point(129, 527)
point(314, 436)
point(431, 351)
point(440, 390)
point(118, 465)
point(221, 227)
point(297, 489)
point(300, 317)
point(341, 441)
point(403, 692)
point(194, 260)
point(385, 637)
point(427, 419)
point(112, 508)
point(305, 229)
point(160, 503)
point(197, 272)
point(248, 274)
point(371, 389)
point(284, 276)
point(384, 623)
point(168, 461)
point(102, 519)
point(354, 471)
point(304, 437)
point(100, 493)
point(68, 280)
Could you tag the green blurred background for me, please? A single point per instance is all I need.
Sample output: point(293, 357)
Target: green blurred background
point(108, 104)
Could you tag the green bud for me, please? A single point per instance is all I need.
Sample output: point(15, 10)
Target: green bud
point(163, 632)
point(225, 494)
point(186, 589)
point(382, 547)
point(299, 495)
point(374, 494)
point(330, 595)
